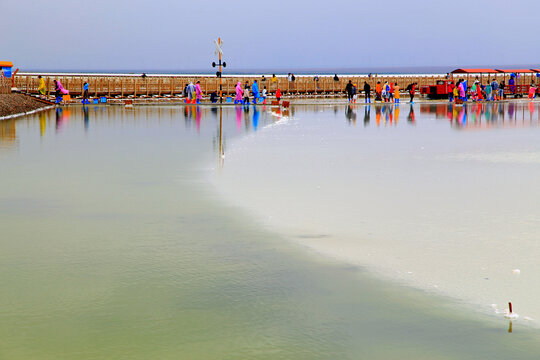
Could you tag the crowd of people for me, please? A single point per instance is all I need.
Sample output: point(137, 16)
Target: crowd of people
point(490, 91)
point(387, 92)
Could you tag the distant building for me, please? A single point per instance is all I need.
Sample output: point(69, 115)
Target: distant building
point(6, 68)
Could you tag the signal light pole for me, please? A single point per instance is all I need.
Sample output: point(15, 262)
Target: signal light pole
point(220, 64)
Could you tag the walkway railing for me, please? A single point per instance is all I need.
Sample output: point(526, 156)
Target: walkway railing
point(165, 85)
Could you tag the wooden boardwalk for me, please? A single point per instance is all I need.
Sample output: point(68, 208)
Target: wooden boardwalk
point(162, 85)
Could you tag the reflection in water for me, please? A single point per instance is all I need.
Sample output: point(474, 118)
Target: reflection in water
point(410, 117)
point(238, 110)
point(152, 262)
point(367, 110)
point(8, 134)
point(255, 117)
point(86, 118)
point(486, 115)
point(42, 123)
point(350, 114)
point(62, 117)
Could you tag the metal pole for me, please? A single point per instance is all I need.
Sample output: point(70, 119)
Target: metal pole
point(220, 86)
point(220, 137)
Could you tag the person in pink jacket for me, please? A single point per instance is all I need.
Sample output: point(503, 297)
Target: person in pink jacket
point(198, 92)
point(461, 90)
point(239, 93)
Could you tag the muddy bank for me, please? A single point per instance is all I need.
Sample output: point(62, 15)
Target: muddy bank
point(19, 104)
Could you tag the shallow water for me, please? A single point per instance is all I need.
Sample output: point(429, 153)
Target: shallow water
point(114, 245)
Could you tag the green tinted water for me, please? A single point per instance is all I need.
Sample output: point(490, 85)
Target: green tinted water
point(113, 247)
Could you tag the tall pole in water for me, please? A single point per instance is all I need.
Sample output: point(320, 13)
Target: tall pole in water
point(220, 64)
point(220, 88)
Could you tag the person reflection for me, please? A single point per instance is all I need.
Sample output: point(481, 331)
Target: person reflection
point(462, 117)
point(42, 123)
point(350, 114)
point(85, 117)
point(58, 118)
point(198, 117)
point(378, 110)
point(501, 111)
point(256, 115)
point(410, 117)
point(247, 120)
point(396, 115)
point(511, 110)
point(238, 109)
point(367, 110)
point(187, 120)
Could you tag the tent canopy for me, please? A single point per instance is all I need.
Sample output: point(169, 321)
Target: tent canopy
point(515, 71)
point(473, 71)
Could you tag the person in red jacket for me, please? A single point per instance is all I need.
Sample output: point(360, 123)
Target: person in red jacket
point(412, 90)
point(450, 89)
point(278, 94)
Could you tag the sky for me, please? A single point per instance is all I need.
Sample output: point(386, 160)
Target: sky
point(177, 36)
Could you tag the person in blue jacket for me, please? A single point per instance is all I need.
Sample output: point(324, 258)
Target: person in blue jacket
point(85, 93)
point(255, 91)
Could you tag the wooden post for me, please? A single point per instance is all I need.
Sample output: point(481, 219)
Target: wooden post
point(135, 87)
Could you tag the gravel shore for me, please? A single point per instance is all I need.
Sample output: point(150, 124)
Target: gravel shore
point(12, 104)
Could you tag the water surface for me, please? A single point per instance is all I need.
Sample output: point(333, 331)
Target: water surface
point(114, 245)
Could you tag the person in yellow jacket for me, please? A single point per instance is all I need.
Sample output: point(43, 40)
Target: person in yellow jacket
point(396, 93)
point(41, 87)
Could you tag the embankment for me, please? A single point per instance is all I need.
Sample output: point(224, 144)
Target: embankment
point(12, 105)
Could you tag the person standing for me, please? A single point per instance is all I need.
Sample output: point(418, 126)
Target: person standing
point(495, 89)
point(461, 89)
point(412, 91)
point(185, 91)
point(487, 89)
point(396, 93)
point(367, 92)
point(501, 90)
point(190, 92)
point(532, 91)
point(378, 91)
point(450, 90)
point(41, 86)
point(56, 91)
point(255, 91)
point(278, 95)
point(198, 92)
point(239, 93)
point(85, 93)
point(512, 84)
point(386, 91)
point(348, 90)
point(264, 92)
point(59, 91)
point(246, 93)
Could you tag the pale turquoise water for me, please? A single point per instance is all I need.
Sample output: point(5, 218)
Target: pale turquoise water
point(113, 246)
